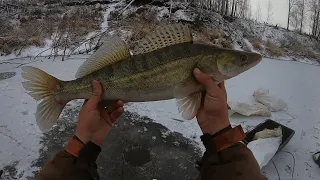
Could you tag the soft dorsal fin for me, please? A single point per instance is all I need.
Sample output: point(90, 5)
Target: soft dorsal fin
point(111, 51)
point(164, 36)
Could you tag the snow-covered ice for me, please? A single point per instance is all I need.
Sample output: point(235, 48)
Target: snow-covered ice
point(294, 82)
point(19, 134)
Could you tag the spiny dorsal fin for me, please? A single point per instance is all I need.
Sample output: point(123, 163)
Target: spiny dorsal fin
point(164, 36)
point(111, 51)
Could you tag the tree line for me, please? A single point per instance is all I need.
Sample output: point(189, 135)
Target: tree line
point(304, 14)
point(233, 8)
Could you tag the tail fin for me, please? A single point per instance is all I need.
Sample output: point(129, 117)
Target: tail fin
point(43, 86)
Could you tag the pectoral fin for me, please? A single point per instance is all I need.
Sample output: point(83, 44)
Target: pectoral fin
point(189, 105)
point(186, 88)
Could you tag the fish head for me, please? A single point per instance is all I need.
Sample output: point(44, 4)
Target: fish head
point(232, 62)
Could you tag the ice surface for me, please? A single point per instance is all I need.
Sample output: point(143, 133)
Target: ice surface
point(294, 82)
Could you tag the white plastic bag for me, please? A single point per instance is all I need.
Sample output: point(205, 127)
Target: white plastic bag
point(266, 145)
point(273, 103)
point(248, 109)
point(264, 149)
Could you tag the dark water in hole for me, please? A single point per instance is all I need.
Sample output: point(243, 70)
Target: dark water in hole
point(7, 75)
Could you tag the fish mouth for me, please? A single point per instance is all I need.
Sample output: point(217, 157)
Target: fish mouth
point(256, 59)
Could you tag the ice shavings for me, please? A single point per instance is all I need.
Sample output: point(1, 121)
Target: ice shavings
point(267, 133)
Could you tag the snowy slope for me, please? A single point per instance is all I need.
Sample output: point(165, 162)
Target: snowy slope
point(296, 83)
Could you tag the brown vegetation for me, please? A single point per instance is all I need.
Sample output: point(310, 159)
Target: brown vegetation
point(139, 23)
point(212, 36)
point(301, 51)
point(256, 43)
point(15, 38)
point(273, 49)
point(35, 24)
point(227, 43)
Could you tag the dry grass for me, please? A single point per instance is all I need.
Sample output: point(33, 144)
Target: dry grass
point(256, 43)
point(139, 24)
point(74, 26)
point(15, 38)
point(273, 49)
point(206, 35)
point(142, 28)
point(227, 43)
point(301, 51)
point(32, 30)
point(211, 36)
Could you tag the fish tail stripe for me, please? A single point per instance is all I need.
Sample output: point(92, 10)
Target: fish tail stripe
point(43, 86)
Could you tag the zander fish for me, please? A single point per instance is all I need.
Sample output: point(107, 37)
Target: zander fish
point(160, 68)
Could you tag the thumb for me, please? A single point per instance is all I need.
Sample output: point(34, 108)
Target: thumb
point(205, 80)
point(94, 100)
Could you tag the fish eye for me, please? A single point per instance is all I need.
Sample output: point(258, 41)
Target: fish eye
point(243, 58)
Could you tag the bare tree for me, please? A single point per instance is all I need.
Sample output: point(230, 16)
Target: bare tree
point(249, 11)
point(295, 18)
point(317, 20)
point(313, 6)
point(269, 12)
point(233, 7)
point(301, 5)
point(290, 5)
point(258, 13)
point(246, 8)
point(227, 7)
point(222, 8)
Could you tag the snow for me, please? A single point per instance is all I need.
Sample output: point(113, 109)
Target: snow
point(19, 134)
point(31, 51)
point(184, 15)
point(294, 82)
point(306, 61)
point(245, 30)
point(163, 11)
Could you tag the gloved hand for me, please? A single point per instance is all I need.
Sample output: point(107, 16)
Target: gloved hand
point(94, 121)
